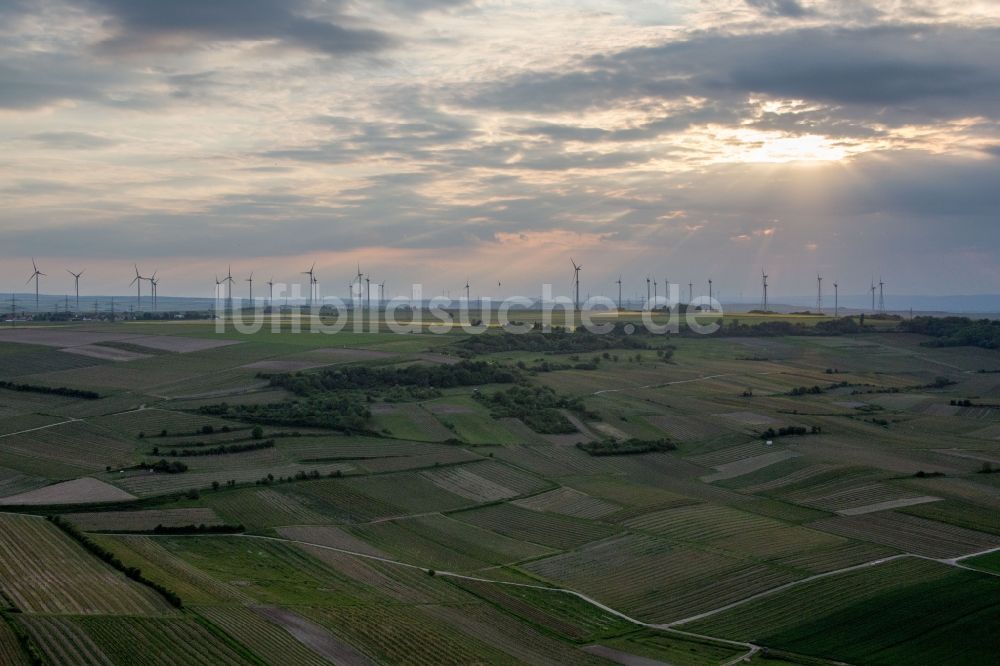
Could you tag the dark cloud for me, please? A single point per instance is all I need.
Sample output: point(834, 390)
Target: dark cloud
point(786, 8)
point(923, 72)
point(72, 140)
point(421, 6)
point(152, 25)
point(38, 80)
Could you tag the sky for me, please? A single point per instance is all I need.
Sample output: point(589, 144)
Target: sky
point(439, 141)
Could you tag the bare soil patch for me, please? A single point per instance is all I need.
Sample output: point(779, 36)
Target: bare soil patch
point(180, 344)
point(85, 490)
point(890, 504)
point(737, 468)
point(105, 353)
point(314, 636)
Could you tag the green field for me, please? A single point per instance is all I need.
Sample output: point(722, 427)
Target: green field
point(429, 532)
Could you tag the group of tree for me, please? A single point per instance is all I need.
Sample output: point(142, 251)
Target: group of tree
point(537, 406)
point(955, 331)
point(368, 378)
point(342, 412)
point(162, 466)
point(219, 450)
point(611, 447)
point(790, 431)
point(51, 390)
point(558, 340)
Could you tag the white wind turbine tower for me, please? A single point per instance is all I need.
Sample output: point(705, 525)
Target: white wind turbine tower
point(361, 296)
point(576, 282)
point(312, 276)
point(137, 281)
point(270, 291)
point(655, 294)
point(34, 276)
point(250, 280)
point(819, 294)
point(153, 284)
point(229, 290)
point(836, 301)
point(76, 279)
point(619, 283)
point(763, 277)
point(381, 294)
point(217, 294)
point(710, 306)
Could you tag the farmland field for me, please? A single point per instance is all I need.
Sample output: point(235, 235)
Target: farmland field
point(228, 517)
point(43, 571)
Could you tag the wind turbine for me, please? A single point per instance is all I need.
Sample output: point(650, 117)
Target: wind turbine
point(710, 306)
point(35, 276)
point(763, 277)
point(229, 289)
point(368, 292)
point(576, 281)
point(655, 294)
point(873, 294)
point(311, 274)
point(881, 296)
point(217, 283)
point(381, 293)
point(836, 301)
point(76, 279)
point(153, 284)
point(361, 296)
point(819, 294)
point(467, 299)
point(619, 283)
point(690, 292)
point(137, 281)
point(250, 280)
point(270, 291)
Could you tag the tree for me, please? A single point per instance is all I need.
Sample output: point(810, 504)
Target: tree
point(257, 432)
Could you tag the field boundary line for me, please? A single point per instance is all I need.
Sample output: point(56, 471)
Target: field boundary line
point(51, 425)
point(687, 381)
point(450, 574)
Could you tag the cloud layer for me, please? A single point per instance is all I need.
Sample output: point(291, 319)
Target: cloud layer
point(434, 139)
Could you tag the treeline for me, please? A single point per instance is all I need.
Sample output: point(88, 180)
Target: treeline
point(51, 390)
point(790, 431)
point(367, 378)
point(162, 466)
point(220, 450)
point(199, 529)
point(955, 331)
point(537, 406)
point(781, 328)
point(610, 447)
point(333, 412)
point(556, 341)
point(134, 573)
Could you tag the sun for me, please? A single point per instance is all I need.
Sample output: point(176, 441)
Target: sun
point(746, 145)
